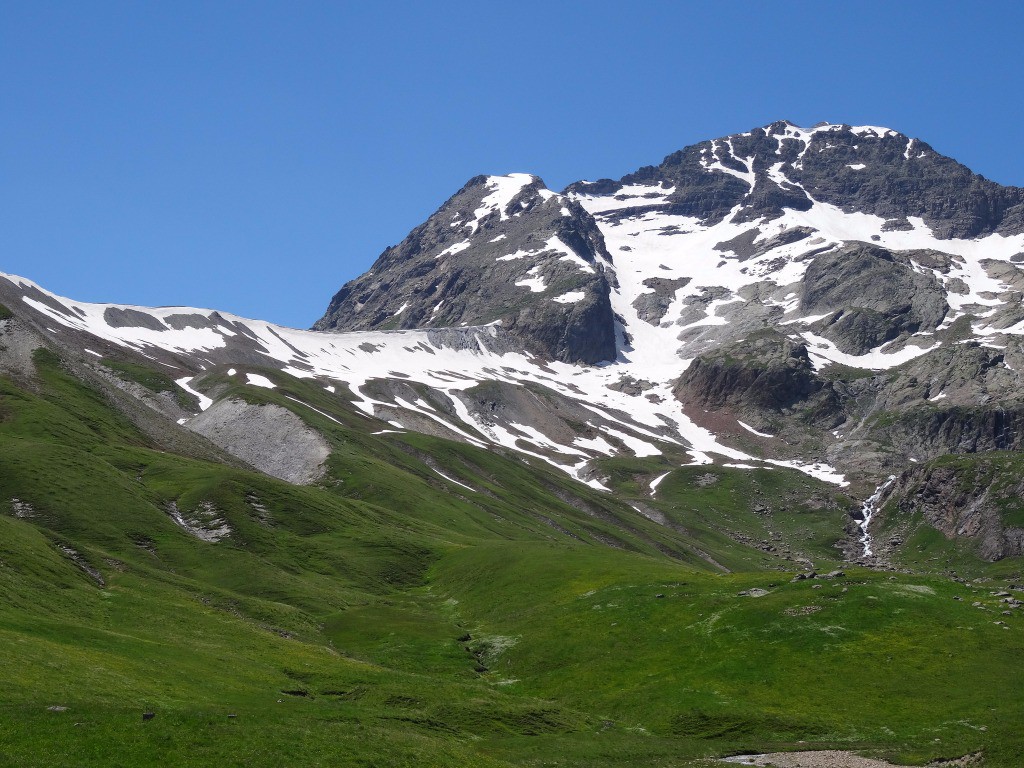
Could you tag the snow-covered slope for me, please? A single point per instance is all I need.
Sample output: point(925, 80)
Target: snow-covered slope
point(708, 309)
point(451, 364)
point(729, 272)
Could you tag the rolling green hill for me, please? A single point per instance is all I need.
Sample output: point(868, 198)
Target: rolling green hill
point(428, 602)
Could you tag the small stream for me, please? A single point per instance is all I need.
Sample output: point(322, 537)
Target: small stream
point(868, 512)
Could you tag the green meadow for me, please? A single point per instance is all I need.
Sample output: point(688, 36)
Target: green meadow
point(387, 616)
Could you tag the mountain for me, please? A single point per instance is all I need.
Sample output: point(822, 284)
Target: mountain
point(843, 294)
point(719, 457)
point(841, 300)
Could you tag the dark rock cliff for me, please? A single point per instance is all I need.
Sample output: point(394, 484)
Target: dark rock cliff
point(502, 250)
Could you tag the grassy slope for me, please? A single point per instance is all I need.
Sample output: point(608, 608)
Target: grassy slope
point(413, 622)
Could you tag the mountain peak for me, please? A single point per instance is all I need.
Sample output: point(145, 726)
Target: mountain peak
point(787, 129)
point(857, 168)
point(503, 250)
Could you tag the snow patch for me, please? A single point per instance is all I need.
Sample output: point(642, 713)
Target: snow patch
point(534, 281)
point(822, 351)
point(572, 297)
point(204, 401)
point(451, 250)
point(257, 380)
point(657, 481)
point(502, 190)
point(752, 430)
point(453, 480)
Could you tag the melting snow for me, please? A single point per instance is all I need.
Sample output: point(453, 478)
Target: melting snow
point(503, 189)
point(629, 196)
point(751, 429)
point(657, 481)
point(204, 401)
point(517, 255)
point(451, 250)
point(453, 480)
point(317, 410)
point(533, 281)
point(822, 351)
point(570, 298)
point(257, 380)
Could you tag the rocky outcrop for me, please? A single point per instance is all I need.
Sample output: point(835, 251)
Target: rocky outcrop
point(935, 431)
point(651, 307)
point(872, 295)
point(977, 498)
point(905, 177)
point(502, 250)
point(869, 170)
point(766, 371)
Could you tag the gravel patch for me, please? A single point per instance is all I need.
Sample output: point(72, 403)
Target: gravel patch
point(268, 437)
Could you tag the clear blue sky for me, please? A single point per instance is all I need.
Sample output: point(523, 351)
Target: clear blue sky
point(254, 156)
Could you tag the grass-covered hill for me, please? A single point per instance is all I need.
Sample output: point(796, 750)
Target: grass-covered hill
point(430, 603)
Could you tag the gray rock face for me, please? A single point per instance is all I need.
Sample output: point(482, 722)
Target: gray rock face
point(965, 499)
point(117, 317)
point(651, 307)
point(767, 371)
point(960, 398)
point(960, 429)
point(876, 296)
point(503, 250)
point(744, 247)
point(906, 177)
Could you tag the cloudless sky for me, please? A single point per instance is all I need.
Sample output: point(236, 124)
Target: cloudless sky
point(254, 156)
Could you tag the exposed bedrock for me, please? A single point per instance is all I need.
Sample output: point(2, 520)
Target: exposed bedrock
point(765, 371)
point(977, 498)
point(532, 261)
point(875, 296)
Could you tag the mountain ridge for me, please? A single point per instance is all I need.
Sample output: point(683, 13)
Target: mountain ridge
point(677, 312)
